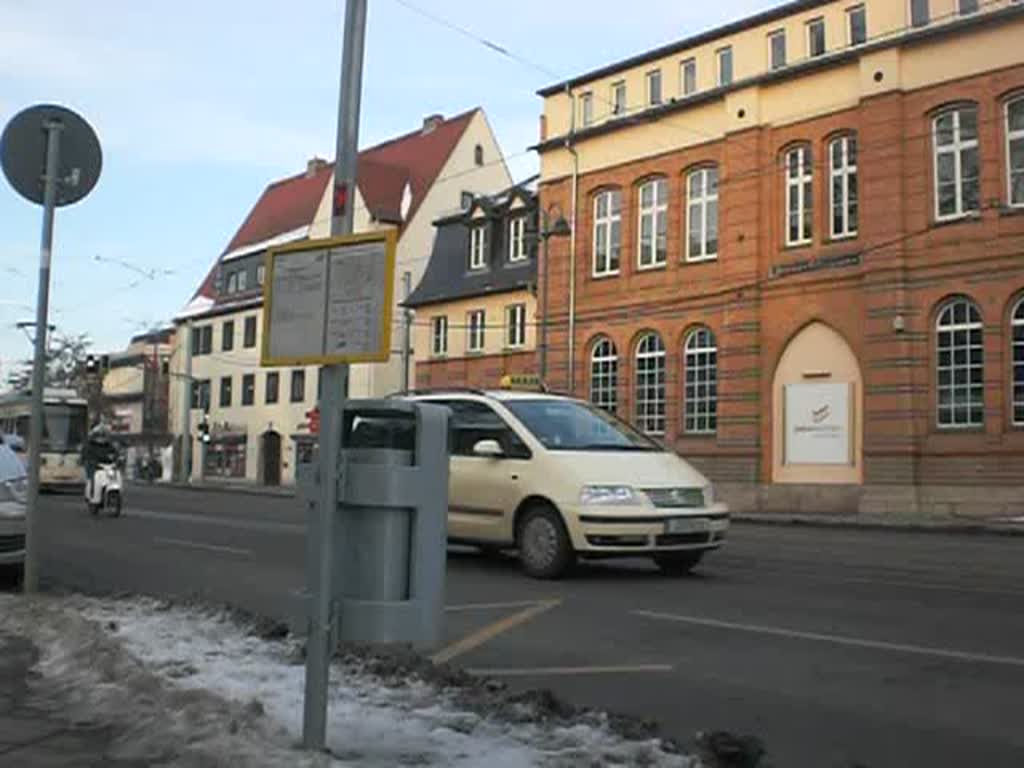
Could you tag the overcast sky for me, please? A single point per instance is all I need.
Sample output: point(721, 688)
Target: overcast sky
point(200, 103)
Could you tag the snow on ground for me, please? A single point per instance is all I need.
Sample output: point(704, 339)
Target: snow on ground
point(191, 687)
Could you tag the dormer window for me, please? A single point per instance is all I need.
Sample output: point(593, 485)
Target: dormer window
point(232, 286)
point(478, 246)
point(517, 239)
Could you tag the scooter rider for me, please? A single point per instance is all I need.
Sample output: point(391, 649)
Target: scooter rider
point(98, 449)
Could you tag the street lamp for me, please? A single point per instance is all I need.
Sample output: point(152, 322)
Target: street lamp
point(552, 224)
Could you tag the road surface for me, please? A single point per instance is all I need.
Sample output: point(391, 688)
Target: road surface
point(836, 647)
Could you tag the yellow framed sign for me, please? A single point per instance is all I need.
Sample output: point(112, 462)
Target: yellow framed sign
point(329, 301)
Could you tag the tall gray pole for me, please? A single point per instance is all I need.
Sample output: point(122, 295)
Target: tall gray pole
point(186, 405)
point(53, 130)
point(335, 388)
point(406, 331)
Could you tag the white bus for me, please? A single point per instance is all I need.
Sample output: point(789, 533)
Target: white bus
point(65, 427)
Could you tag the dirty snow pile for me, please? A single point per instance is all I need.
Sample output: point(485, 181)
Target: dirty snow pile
point(185, 686)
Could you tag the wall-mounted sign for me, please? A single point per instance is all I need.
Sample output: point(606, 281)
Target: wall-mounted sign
point(816, 264)
point(819, 423)
point(329, 301)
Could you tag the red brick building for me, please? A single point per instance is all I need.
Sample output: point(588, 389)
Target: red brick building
point(804, 268)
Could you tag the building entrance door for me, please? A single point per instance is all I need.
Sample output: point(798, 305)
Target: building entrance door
point(271, 453)
point(817, 411)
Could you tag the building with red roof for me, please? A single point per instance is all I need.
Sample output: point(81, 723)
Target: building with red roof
point(405, 183)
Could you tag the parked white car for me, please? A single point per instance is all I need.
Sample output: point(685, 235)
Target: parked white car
point(12, 508)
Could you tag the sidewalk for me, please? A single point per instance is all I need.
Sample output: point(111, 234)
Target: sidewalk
point(910, 523)
point(225, 486)
point(32, 736)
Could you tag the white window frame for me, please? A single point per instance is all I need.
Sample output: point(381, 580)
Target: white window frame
point(690, 63)
point(658, 213)
point(820, 21)
point(956, 148)
point(844, 172)
point(652, 77)
point(650, 408)
point(850, 13)
point(517, 239)
point(604, 375)
point(476, 326)
point(242, 280)
point(952, 327)
point(587, 109)
point(619, 107)
point(232, 283)
point(703, 202)
point(1017, 365)
point(607, 223)
point(772, 37)
point(1011, 138)
point(719, 55)
point(515, 326)
point(439, 336)
point(478, 246)
point(700, 368)
point(261, 274)
point(797, 192)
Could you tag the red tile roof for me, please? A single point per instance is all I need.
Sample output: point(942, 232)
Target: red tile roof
point(384, 170)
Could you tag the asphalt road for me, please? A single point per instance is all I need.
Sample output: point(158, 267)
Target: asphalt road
point(836, 647)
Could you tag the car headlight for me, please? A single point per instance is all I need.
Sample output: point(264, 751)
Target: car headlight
point(709, 495)
point(610, 495)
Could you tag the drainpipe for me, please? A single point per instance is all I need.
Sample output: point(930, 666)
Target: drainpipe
point(572, 239)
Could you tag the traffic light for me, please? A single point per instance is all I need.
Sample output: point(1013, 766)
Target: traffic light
point(313, 420)
point(204, 428)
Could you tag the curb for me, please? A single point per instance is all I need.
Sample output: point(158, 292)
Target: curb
point(946, 527)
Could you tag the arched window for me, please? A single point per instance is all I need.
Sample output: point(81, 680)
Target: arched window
point(604, 375)
point(700, 396)
point(1017, 356)
point(607, 232)
point(650, 385)
point(960, 366)
point(652, 227)
point(702, 214)
point(799, 197)
point(1015, 150)
point(957, 182)
point(478, 154)
point(842, 172)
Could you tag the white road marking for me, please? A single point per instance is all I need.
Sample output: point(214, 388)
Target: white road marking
point(202, 546)
point(857, 642)
point(492, 606)
point(556, 671)
point(225, 522)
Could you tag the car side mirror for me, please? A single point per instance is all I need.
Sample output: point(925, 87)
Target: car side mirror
point(490, 449)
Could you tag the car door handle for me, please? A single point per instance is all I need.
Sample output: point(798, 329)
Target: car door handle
point(514, 476)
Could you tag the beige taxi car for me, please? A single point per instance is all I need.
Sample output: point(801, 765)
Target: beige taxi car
point(557, 478)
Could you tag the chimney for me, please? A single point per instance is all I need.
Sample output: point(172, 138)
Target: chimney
point(430, 122)
point(314, 166)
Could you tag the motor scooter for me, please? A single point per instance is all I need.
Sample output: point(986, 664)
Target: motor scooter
point(105, 492)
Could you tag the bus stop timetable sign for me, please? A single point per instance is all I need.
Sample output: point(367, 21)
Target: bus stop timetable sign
point(329, 301)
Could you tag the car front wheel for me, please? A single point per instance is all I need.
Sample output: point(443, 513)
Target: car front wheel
point(678, 563)
point(545, 549)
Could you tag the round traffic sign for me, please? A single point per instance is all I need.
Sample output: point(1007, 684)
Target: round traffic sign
point(23, 153)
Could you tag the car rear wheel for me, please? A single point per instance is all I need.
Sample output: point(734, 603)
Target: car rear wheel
point(678, 563)
point(545, 549)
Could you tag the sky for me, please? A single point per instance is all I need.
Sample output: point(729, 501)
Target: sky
point(199, 104)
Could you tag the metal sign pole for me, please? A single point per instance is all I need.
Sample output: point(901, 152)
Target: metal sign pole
point(335, 388)
point(53, 131)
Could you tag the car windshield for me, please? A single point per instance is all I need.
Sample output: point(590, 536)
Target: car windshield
point(569, 425)
point(11, 467)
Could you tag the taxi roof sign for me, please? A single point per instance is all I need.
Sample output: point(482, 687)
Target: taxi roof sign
point(522, 381)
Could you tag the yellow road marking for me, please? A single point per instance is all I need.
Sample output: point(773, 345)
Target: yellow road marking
point(491, 631)
point(553, 671)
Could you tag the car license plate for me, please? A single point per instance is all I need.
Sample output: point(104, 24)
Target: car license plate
point(686, 525)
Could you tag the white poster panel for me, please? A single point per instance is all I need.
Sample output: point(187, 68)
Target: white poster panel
point(818, 423)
